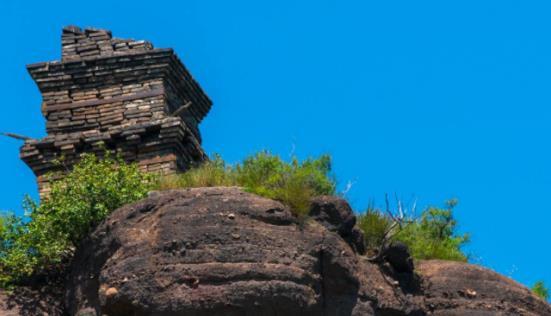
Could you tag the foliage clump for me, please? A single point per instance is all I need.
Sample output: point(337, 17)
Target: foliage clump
point(293, 183)
point(75, 204)
point(541, 290)
point(210, 173)
point(432, 235)
point(96, 186)
point(375, 227)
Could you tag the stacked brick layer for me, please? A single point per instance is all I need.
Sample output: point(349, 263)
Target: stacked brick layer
point(120, 95)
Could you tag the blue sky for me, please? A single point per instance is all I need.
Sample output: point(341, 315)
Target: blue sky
point(424, 99)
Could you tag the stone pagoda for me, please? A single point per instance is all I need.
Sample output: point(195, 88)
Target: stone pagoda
point(116, 94)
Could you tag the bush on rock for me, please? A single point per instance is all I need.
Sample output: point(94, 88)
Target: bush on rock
point(75, 204)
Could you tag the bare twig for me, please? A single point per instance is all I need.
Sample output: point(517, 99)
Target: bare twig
point(181, 109)
point(16, 136)
point(348, 187)
point(399, 221)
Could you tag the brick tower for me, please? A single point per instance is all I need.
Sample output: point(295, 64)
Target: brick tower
point(116, 94)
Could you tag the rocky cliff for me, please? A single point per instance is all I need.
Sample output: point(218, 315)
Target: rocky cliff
point(222, 251)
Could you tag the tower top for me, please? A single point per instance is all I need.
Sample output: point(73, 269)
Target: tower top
point(77, 44)
point(116, 94)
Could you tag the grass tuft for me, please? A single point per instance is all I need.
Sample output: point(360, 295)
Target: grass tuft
point(293, 183)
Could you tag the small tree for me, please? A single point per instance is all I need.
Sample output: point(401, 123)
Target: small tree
point(432, 235)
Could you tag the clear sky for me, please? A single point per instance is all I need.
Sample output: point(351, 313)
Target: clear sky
point(423, 99)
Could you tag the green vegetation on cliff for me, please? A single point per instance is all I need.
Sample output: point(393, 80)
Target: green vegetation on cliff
point(541, 290)
point(46, 239)
point(76, 203)
point(432, 235)
point(293, 183)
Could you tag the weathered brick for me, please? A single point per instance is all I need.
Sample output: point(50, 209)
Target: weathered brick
point(119, 93)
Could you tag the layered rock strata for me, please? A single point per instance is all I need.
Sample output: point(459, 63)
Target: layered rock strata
point(222, 251)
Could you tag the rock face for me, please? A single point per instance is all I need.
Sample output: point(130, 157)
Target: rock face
point(454, 288)
point(42, 299)
point(221, 251)
point(215, 251)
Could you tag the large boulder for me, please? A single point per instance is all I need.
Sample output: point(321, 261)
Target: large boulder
point(222, 251)
point(212, 251)
point(454, 288)
point(336, 215)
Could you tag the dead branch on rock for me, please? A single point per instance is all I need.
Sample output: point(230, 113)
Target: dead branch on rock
point(399, 220)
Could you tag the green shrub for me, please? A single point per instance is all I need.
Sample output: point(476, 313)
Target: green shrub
point(208, 174)
point(541, 290)
point(76, 203)
point(95, 187)
point(375, 227)
point(293, 183)
point(431, 236)
point(14, 253)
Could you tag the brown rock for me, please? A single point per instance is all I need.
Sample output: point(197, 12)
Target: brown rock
point(454, 288)
point(337, 216)
point(177, 253)
point(173, 254)
point(44, 299)
point(111, 292)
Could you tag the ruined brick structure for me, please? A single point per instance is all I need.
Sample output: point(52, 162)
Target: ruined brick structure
point(116, 94)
